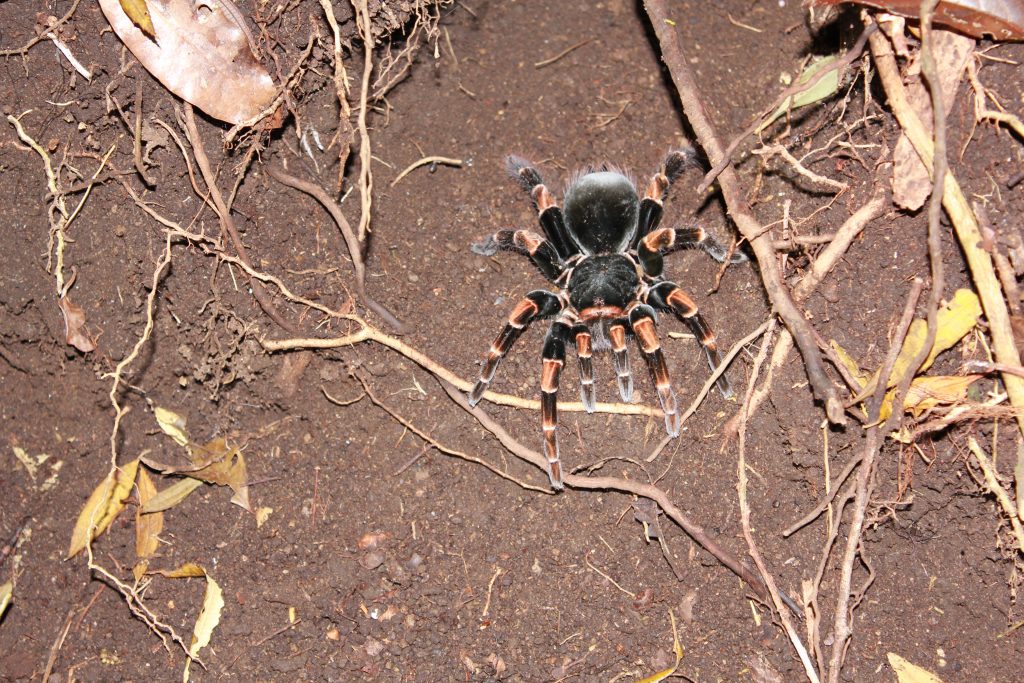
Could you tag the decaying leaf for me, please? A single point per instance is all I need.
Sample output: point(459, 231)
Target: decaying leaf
point(1000, 19)
point(204, 57)
point(927, 392)
point(6, 593)
point(172, 424)
point(226, 469)
point(147, 526)
point(827, 86)
point(138, 12)
point(170, 496)
point(910, 673)
point(104, 505)
point(954, 321)
point(209, 615)
point(676, 648)
point(75, 332)
point(911, 182)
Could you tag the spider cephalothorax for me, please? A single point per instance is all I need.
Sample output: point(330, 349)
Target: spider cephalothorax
point(604, 252)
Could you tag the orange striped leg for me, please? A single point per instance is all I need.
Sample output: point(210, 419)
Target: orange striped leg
point(553, 359)
point(536, 304)
point(668, 296)
point(581, 334)
point(617, 334)
point(641, 318)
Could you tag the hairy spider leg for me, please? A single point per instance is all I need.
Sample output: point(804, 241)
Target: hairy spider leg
point(651, 206)
point(537, 304)
point(549, 214)
point(541, 252)
point(553, 359)
point(584, 351)
point(620, 357)
point(652, 248)
point(641, 319)
point(668, 296)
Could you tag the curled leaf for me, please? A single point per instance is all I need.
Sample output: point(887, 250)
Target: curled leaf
point(75, 332)
point(172, 424)
point(104, 505)
point(826, 86)
point(170, 496)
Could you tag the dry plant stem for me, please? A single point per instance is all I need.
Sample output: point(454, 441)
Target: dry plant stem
point(341, 90)
point(964, 223)
point(440, 447)
point(748, 534)
point(369, 333)
point(749, 227)
point(224, 214)
point(822, 265)
point(615, 484)
point(423, 162)
point(997, 490)
point(365, 172)
point(351, 241)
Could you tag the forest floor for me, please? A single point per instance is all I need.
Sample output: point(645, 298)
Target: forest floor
point(389, 535)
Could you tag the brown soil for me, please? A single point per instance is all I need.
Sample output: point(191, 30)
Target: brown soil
point(457, 537)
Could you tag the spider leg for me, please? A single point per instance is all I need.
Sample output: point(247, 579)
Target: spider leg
point(641, 319)
point(651, 249)
point(536, 304)
point(668, 296)
point(553, 359)
point(549, 213)
point(581, 335)
point(623, 375)
point(651, 209)
point(540, 250)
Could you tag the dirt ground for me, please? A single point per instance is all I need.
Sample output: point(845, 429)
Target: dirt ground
point(470, 577)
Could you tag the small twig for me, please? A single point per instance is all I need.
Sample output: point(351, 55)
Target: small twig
point(351, 241)
point(563, 53)
point(586, 558)
point(57, 645)
point(423, 162)
point(263, 641)
point(66, 51)
point(997, 490)
point(490, 587)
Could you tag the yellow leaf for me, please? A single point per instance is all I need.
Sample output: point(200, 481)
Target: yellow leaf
point(262, 515)
point(850, 364)
point(104, 505)
point(171, 496)
point(172, 424)
point(209, 617)
point(910, 673)
point(676, 648)
point(147, 526)
point(927, 392)
point(955, 320)
point(6, 593)
point(138, 12)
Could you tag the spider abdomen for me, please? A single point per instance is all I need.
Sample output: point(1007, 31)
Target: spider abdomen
point(603, 286)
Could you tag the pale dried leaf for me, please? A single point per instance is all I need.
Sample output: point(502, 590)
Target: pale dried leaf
point(6, 593)
point(172, 424)
point(170, 496)
point(75, 332)
point(147, 526)
point(910, 673)
point(203, 57)
point(927, 392)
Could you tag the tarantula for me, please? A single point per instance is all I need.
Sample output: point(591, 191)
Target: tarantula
point(604, 252)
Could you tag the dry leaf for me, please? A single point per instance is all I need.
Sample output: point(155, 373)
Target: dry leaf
point(227, 470)
point(147, 526)
point(262, 515)
point(676, 648)
point(826, 86)
point(910, 673)
point(6, 593)
point(911, 182)
point(170, 496)
point(189, 570)
point(139, 14)
point(104, 505)
point(204, 57)
point(75, 332)
point(209, 615)
point(927, 392)
point(172, 424)
point(1001, 19)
